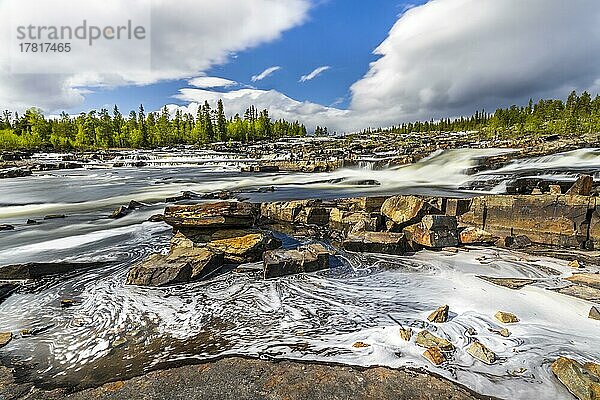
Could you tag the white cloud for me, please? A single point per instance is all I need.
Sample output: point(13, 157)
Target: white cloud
point(314, 74)
point(265, 73)
point(449, 57)
point(187, 38)
point(207, 82)
point(278, 105)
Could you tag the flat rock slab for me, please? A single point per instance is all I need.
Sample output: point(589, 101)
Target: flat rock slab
point(591, 280)
point(238, 378)
point(40, 270)
point(511, 283)
point(581, 380)
point(581, 292)
point(212, 215)
point(245, 249)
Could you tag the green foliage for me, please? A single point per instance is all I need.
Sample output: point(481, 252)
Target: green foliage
point(99, 129)
point(579, 114)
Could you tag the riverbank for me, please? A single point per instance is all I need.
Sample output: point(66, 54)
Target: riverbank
point(245, 379)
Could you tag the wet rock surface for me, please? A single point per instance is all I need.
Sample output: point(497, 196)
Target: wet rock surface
point(282, 262)
point(581, 380)
point(239, 378)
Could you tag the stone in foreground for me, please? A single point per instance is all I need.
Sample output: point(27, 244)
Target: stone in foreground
point(435, 355)
point(482, 353)
point(506, 317)
point(376, 242)
point(440, 315)
point(5, 338)
point(594, 313)
point(428, 340)
point(310, 258)
point(580, 381)
point(434, 231)
point(582, 186)
point(211, 215)
point(511, 283)
point(181, 266)
point(245, 249)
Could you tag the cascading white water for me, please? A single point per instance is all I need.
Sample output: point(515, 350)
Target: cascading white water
point(117, 331)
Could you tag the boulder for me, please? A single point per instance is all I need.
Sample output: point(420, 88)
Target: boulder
point(555, 189)
point(134, 205)
point(579, 380)
point(474, 235)
point(245, 249)
point(6, 227)
point(434, 355)
point(5, 338)
point(119, 212)
point(434, 231)
point(310, 258)
point(408, 210)
point(594, 313)
point(31, 222)
point(181, 266)
point(440, 315)
point(482, 353)
point(575, 264)
point(360, 345)
point(211, 215)
point(317, 215)
point(285, 211)
point(582, 186)
point(429, 340)
point(516, 242)
point(406, 333)
point(506, 317)
point(376, 242)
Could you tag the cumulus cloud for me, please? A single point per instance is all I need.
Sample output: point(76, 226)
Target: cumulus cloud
point(207, 82)
point(187, 38)
point(314, 73)
point(278, 105)
point(450, 57)
point(265, 73)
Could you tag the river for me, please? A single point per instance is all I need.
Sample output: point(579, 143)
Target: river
point(116, 331)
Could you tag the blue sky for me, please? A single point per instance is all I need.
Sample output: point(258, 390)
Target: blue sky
point(338, 33)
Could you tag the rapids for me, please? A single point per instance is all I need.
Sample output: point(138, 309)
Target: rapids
point(116, 331)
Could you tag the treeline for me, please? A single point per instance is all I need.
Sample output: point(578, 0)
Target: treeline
point(579, 114)
point(101, 129)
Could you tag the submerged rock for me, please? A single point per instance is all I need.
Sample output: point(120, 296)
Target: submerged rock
point(506, 317)
point(575, 264)
point(376, 242)
point(582, 382)
point(511, 283)
point(40, 270)
point(360, 345)
point(482, 353)
point(310, 258)
point(5, 338)
point(181, 266)
point(211, 215)
point(440, 315)
point(429, 340)
point(435, 355)
point(6, 227)
point(55, 216)
point(245, 249)
point(434, 231)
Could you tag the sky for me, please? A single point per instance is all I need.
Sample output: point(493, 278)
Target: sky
point(345, 64)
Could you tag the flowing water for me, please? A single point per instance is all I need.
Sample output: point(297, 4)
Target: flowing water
point(116, 331)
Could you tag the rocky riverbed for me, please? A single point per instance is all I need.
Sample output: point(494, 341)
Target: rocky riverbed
point(107, 279)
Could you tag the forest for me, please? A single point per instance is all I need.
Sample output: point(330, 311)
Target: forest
point(99, 130)
point(579, 114)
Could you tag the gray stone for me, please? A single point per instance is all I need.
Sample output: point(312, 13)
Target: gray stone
point(310, 258)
